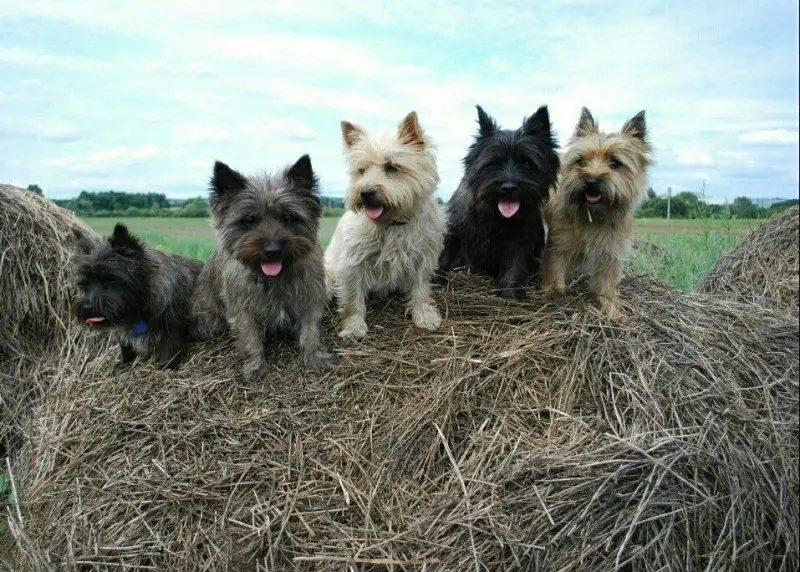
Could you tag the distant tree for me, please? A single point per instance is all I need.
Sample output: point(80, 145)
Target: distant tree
point(743, 207)
point(651, 194)
point(782, 206)
point(439, 201)
point(36, 189)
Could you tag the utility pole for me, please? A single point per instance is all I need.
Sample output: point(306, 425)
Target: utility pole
point(669, 200)
point(703, 190)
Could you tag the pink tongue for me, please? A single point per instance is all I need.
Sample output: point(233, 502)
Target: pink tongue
point(272, 268)
point(593, 198)
point(508, 208)
point(374, 212)
point(92, 321)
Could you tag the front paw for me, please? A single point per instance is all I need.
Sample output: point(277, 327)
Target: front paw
point(319, 358)
point(253, 371)
point(426, 317)
point(354, 327)
point(611, 309)
point(513, 293)
point(553, 290)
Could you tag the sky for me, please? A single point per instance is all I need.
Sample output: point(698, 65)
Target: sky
point(145, 96)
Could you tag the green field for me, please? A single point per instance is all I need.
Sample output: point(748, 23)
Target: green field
point(677, 251)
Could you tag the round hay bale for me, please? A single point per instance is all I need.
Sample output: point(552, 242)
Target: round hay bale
point(35, 323)
point(764, 267)
point(521, 436)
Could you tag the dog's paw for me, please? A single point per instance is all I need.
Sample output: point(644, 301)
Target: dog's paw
point(354, 328)
point(513, 293)
point(253, 372)
point(553, 290)
point(611, 310)
point(426, 317)
point(319, 358)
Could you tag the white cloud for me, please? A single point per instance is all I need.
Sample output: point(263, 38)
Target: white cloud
point(770, 136)
point(200, 133)
point(694, 158)
point(114, 158)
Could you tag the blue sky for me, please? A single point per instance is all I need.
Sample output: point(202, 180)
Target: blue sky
point(144, 96)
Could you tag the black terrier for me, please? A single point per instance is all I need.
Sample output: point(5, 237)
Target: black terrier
point(494, 219)
point(266, 276)
point(139, 293)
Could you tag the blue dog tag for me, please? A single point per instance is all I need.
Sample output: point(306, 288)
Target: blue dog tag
point(139, 328)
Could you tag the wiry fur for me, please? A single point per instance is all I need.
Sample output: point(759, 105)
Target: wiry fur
point(124, 281)
point(591, 237)
point(261, 219)
point(398, 250)
point(502, 166)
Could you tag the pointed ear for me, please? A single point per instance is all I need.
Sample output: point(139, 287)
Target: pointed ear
point(224, 183)
point(122, 238)
point(486, 124)
point(83, 243)
point(302, 174)
point(586, 124)
point(409, 131)
point(351, 133)
point(636, 126)
point(538, 124)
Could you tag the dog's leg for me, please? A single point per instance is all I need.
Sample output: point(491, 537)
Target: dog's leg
point(512, 277)
point(605, 279)
point(172, 350)
point(353, 304)
point(315, 354)
point(554, 272)
point(420, 302)
point(250, 344)
point(448, 259)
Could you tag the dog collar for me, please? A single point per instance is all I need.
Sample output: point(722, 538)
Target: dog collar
point(139, 328)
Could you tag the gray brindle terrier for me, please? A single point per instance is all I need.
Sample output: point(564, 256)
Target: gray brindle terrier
point(266, 275)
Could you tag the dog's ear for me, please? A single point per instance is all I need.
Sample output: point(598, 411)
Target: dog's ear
point(121, 238)
point(636, 126)
point(225, 182)
point(486, 124)
point(586, 124)
point(83, 243)
point(409, 131)
point(302, 174)
point(538, 125)
point(351, 133)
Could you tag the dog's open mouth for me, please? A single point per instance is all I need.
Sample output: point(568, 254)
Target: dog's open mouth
point(593, 199)
point(508, 207)
point(374, 212)
point(271, 267)
point(95, 320)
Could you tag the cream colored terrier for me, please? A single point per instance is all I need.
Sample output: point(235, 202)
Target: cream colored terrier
point(391, 234)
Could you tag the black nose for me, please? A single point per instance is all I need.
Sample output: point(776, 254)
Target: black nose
point(272, 250)
point(508, 187)
point(368, 193)
point(591, 183)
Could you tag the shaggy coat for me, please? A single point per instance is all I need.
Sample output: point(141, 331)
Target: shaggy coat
point(140, 294)
point(590, 216)
point(494, 220)
point(392, 233)
point(266, 276)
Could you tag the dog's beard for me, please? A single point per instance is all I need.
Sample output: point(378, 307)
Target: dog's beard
point(107, 309)
point(249, 250)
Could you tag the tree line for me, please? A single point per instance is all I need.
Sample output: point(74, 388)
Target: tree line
point(118, 204)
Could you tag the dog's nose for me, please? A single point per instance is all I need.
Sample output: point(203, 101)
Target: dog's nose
point(508, 187)
point(368, 193)
point(272, 249)
point(591, 182)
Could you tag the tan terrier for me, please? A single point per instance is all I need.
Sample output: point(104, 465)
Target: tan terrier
point(392, 233)
point(601, 184)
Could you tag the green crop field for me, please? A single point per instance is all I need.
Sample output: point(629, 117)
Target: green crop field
point(676, 251)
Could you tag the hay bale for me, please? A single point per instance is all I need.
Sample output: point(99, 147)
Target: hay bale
point(35, 322)
point(764, 267)
point(521, 436)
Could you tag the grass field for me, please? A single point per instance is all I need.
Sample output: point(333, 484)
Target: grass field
point(676, 251)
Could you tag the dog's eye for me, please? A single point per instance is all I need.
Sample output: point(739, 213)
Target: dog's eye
point(361, 170)
point(528, 163)
point(289, 218)
point(614, 164)
point(390, 168)
point(249, 219)
point(580, 161)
